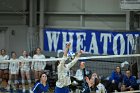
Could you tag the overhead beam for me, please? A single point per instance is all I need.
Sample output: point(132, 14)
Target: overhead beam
point(41, 23)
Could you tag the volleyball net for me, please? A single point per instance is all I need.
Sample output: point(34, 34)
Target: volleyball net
point(80, 58)
point(103, 65)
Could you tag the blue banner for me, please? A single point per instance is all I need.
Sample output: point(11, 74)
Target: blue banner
point(100, 42)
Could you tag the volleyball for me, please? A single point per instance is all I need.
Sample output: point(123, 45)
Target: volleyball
point(71, 54)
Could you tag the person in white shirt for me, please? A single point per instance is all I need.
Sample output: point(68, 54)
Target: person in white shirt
point(79, 76)
point(78, 79)
point(3, 66)
point(25, 70)
point(38, 66)
point(13, 71)
point(64, 72)
point(79, 73)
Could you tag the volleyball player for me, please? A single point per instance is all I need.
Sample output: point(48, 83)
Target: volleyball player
point(38, 66)
point(3, 66)
point(63, 82)
point(25, 70)
point(41, 86)
point(13, 71)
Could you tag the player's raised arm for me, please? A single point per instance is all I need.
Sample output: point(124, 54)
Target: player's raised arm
point(66, 49)
point(65, 54)
point(79, 54)
point(75, 59)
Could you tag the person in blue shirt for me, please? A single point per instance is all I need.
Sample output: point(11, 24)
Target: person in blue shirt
point(41, 86)
point(115, 80)
point(129, 82)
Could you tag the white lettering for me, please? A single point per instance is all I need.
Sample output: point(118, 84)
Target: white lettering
point(52, 40)
point(64, 37)
point(105, 37)
point(71, 39)
point(122, 44)
point(93, 44)
point(80, 40)
point(131, 42)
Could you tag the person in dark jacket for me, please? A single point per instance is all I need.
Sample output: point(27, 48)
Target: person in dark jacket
point(129, 82)
point(115, 80)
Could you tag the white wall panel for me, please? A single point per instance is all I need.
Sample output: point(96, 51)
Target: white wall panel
point(62, 5)
point(12, 19)
point(99, 14)
point(2, 39)
point(12, 5)
point(17, 39)
point(62, 20)
point(105, 22)
point(102, 6)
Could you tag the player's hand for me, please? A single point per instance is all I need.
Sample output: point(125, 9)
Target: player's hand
point(87, 79)
point(81, 51)
point(68, 45)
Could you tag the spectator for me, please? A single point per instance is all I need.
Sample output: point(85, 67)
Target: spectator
point(115, 80)
point(25, 70)
point(38, 66)
point(13, 71)
point(41, 86)
point(129, 82)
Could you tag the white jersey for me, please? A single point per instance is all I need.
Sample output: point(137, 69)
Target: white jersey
point(25, 65)
point(4, 65)
point(101, 88)
point(79, 74)
point(14, 66)
point(64, 73)
point(39, 65)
